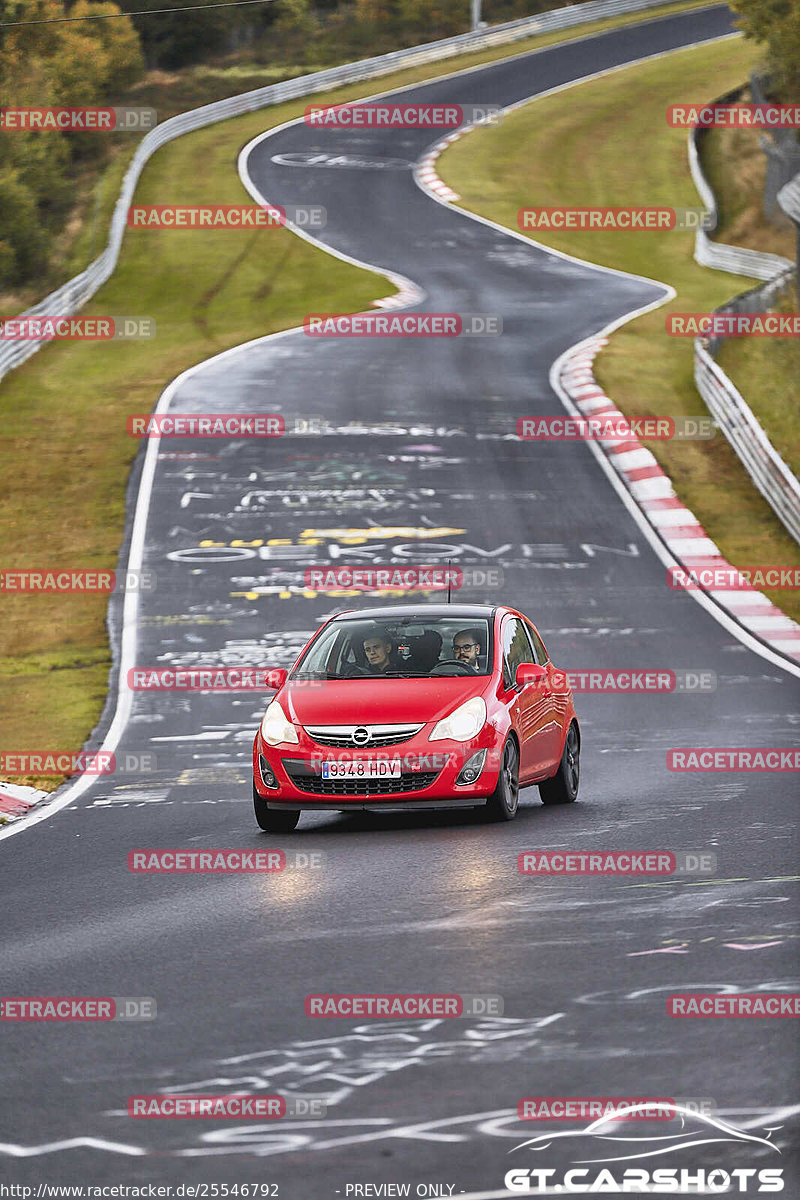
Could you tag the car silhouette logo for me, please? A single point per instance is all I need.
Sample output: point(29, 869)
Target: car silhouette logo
point(361, 736)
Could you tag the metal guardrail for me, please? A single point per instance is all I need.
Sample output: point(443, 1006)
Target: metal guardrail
point(789, 201)
point(782, 151)
point(770, 474)
point(72, 295)
point(789, 198)
point(761, 299)
point(779, 487)
point(737, 260)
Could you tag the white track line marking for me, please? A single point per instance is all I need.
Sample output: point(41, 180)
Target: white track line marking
point(130, 611)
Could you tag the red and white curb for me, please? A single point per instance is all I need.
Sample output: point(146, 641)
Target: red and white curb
point(407, 294)
point(678, 527)
point(16, 801)
point(425, 172)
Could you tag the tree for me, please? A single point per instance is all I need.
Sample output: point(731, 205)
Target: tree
point(295, 28)
point(44, 66)
point(23, 243)
point(177, 39)
point(776, 24)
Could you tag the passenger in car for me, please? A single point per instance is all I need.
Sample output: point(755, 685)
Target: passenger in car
point(380, 653)
point(425, 651)
point(467, 647)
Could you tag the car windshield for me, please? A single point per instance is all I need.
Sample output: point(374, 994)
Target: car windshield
point(406, 647)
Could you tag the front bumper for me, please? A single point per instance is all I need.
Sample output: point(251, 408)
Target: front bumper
point(427, 780)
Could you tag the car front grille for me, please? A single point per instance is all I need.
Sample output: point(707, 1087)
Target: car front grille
point(307, 781)
point(379, 735)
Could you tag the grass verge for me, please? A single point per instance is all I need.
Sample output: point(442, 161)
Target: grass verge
point(175, 92)
point(588, 146)
point(765, 370)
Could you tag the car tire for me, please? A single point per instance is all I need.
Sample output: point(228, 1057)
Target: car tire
point(274, 820)
point(563, 787)
point(503, 803)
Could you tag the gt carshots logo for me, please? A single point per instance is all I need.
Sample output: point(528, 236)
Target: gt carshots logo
point(596, 1176)
point(642, 1182)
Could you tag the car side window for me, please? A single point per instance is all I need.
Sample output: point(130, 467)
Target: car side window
point(516, 649)
point(538, 645)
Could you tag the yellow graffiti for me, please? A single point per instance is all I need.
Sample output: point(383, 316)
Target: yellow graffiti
point(349, 537)
point(380, 531)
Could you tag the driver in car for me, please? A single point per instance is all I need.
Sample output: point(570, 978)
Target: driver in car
point(380, 653)
point(466, 648)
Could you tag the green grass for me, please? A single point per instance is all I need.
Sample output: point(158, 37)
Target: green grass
point(766, 371)
point(65, 457)
point(174, 92)
point(589, 146)
point(736, 167)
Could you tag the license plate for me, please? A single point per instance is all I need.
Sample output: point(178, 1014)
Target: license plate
point(362, 768)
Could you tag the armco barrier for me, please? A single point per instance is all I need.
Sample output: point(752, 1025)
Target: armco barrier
point(781, 148)
point(766, 468)
point(764, 465)
point(73, 294)
point(735, 259)
point(789, 201)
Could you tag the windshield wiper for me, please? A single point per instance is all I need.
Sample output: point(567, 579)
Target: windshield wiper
point(406, 674)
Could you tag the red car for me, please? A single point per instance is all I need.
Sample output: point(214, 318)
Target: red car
point(416, 707)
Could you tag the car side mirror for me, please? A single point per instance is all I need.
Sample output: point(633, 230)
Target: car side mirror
point(528, 673)
point(276, 678)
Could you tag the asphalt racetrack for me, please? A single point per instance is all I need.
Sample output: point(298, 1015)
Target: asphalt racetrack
point(407, 903)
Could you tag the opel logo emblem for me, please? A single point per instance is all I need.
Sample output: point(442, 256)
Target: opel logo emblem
point(361, 736)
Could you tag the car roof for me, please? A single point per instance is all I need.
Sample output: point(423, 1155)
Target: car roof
point(423, 611)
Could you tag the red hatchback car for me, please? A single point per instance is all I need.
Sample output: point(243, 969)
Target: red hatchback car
point(416, 707)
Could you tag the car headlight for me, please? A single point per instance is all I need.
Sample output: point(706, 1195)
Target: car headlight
point(467, 720)
point(275, 728)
